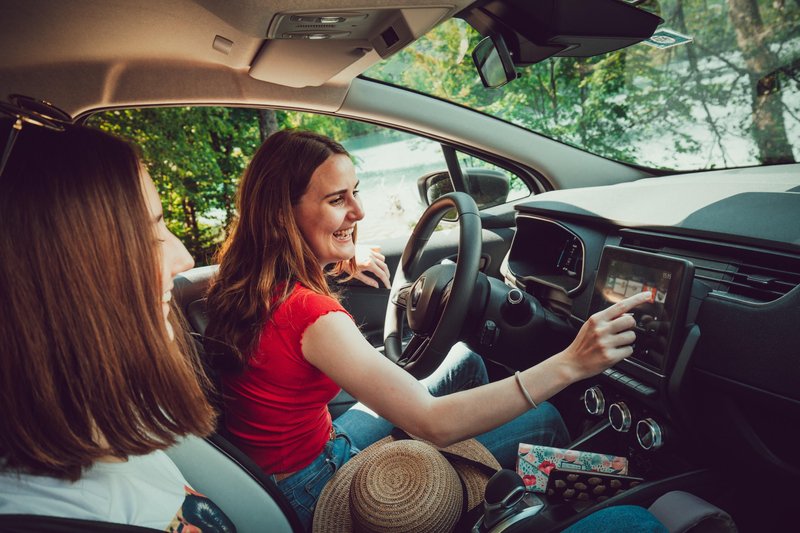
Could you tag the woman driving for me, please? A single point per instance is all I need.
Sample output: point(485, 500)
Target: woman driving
point(294, 345)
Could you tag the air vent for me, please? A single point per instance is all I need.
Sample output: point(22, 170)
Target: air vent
point(744, 272)
point(761, 282)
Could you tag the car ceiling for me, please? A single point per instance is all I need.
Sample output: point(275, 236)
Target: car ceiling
point(89, 54)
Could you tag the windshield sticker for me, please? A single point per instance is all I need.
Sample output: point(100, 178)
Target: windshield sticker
point(665, 38)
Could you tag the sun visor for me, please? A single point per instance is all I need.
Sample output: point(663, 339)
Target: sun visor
point(536, 30)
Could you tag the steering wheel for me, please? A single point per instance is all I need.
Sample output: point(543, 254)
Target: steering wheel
point(436, 301)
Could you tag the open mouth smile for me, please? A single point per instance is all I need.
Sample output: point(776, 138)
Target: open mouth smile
point(343, 235)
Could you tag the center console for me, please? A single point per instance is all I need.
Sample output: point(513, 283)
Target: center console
point(631, 410)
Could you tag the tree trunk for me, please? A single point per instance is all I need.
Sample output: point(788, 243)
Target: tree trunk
point(224, 147)
point(267, 123)
point(769, 130)
point(190, 215)
point(700, 90)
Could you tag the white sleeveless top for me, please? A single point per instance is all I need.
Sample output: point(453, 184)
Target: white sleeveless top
point(146, 491)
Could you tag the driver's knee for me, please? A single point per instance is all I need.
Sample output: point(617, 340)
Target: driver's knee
point(549, 427)
point(461, 369)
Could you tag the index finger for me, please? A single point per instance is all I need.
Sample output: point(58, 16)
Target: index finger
point(623, 306)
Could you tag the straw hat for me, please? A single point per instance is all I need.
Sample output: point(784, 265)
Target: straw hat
point(404, 486)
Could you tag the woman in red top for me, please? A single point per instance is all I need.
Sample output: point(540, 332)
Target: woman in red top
point(295, 345)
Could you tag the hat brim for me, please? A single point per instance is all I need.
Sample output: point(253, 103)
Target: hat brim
point(332, 512)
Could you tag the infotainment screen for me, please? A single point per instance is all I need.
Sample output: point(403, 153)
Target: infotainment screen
point(625, 272)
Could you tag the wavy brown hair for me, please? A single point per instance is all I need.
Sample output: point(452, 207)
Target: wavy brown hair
point(265, 252)
point(87, 368)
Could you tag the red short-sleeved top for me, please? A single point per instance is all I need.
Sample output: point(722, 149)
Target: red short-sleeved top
point(277, 410)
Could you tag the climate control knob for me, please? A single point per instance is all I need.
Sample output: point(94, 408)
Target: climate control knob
point(649, 434)
point(620, 417)
point(594, 401)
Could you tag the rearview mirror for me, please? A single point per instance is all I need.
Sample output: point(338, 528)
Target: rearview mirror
point(493, 61)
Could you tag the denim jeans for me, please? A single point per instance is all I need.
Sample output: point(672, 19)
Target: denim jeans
point(359, 427)
point(619, 519)
point(303, 488)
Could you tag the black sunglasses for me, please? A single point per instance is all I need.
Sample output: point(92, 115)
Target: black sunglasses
point(27, 110)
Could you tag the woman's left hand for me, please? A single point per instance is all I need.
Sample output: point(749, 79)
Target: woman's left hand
point(370, 259)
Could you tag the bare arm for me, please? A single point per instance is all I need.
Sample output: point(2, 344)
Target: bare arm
point(335, 346)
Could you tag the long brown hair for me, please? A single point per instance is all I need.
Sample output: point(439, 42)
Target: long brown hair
point(87, 368)
point(265, 251)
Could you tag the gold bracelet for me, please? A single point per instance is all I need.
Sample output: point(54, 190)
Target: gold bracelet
point(525, 391)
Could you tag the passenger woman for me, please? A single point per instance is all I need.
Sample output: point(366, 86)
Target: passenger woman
point(295, 346)
point(96, 376)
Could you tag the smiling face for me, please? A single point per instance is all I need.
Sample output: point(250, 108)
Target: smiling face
point(173, 256)
point(328, 210)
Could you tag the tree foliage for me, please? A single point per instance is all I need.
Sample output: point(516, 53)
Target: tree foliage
point(196, 156)
point(691, 106)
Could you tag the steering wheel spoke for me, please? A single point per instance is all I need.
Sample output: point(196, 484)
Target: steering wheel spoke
point(414, 349)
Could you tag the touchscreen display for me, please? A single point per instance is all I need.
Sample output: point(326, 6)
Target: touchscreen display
point(624, 273)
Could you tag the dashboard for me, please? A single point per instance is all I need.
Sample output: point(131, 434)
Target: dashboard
point(717, 356)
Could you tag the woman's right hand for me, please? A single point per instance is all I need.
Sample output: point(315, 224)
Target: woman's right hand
point(604, 339)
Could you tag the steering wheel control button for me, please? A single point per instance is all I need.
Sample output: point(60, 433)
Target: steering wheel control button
point(401, 298)
point(416, 292)
point(649, 434)
point(620, 417)
point(594, 401)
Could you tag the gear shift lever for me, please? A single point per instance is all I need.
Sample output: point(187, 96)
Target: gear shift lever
point(505, 498)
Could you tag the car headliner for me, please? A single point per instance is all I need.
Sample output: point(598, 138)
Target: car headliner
point(88, 54)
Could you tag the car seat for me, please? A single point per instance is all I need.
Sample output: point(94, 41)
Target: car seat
point(213, 467)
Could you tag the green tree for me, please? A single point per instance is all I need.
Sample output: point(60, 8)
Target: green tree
point(681, 107)
point(195, 156)
point(763, 72)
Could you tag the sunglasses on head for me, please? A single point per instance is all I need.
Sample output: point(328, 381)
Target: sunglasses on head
point(27, 110)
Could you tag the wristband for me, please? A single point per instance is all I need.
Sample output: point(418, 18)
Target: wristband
point(524, 390)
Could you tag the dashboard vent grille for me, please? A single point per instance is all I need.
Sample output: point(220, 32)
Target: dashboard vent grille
point(747, 273)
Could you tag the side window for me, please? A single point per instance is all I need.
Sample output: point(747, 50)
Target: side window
point(196, 156)
point(488, 184)
point(388, 164)
point(473, 166)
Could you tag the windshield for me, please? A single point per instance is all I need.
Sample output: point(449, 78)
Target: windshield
point(718, 86)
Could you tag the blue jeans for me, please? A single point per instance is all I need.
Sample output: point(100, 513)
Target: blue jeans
point(620, 519)
point(359, 427)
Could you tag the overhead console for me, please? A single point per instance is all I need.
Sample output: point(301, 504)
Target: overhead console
point(312, 48)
